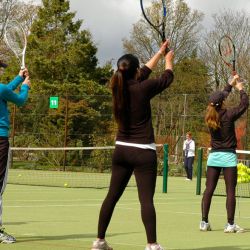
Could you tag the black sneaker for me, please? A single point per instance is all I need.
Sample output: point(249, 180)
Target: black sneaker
point(6, 238)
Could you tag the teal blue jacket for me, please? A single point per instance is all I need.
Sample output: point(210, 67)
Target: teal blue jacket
point(7, 94)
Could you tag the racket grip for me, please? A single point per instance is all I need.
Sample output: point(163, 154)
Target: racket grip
point(167, 50)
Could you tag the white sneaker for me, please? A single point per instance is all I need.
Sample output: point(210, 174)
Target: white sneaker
point(205, 226)
point(101, 245)
point(6, 238)
point(154, 247)
point(233, 229)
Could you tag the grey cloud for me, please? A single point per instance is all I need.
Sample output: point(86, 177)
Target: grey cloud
point(111, 20)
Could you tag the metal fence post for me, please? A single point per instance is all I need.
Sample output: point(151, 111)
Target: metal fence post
point(165, 168)
point(199, 171)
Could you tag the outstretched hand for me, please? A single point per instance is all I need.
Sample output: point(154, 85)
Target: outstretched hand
point(239, 84)
point(27, 81)
point(233, 80)
point(169, 56)
point(24, 73)
point(164, 47)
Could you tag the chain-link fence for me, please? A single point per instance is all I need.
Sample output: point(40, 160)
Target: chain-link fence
point(79, 121)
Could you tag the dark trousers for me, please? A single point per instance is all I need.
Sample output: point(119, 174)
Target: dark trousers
point(4, 151)
point(143, 163)
point(188, 164)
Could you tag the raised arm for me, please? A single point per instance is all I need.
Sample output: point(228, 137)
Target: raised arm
point(231, 84)
point(155, 59)
point(10, 96)
point(18, 79)
point(238, 111)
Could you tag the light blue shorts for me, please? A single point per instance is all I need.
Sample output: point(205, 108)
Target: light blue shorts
point(222, 159)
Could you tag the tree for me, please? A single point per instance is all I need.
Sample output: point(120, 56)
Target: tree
point(235, 24)
point(183, 104)
point(5, 9)
point(62, 61)
point(22, 12)
point(58, 47)
point(182, 29)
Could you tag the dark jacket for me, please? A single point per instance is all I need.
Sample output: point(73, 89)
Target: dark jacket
point(140, 129)
point(224, 138)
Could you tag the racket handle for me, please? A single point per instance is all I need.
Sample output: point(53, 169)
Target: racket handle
point(167, 50)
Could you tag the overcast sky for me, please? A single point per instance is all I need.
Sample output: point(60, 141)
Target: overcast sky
point(111, 20)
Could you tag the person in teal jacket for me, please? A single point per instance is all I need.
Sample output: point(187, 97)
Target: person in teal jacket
point(7, 94)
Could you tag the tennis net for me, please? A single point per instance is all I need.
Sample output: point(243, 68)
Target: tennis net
point(77, 167)
point(243, 180)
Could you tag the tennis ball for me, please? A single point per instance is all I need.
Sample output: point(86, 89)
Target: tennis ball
point(19, 175)
point(65, 184)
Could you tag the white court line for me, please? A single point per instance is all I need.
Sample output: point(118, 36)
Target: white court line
point(180, 212)
point(54, 205)
point(90, 205)
point(194, 200)
point(87, 199)
point(28, 234)
point(98, 204)
point(117, 207)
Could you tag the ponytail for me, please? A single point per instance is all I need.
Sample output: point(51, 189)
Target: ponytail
point(118, 94)
point(127, 67)
point(212, 118)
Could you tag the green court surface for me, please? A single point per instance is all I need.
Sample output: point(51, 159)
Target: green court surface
point(58, 218)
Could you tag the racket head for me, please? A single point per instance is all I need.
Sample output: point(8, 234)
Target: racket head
point(227, 51)
point(156, 16)
point(15, 39)
point(5, 8)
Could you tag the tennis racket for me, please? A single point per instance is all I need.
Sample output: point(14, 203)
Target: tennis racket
point(227, 52)
point(15, 39)
point(156, 20)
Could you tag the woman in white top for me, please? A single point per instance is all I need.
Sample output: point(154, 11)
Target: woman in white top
point(189, 153)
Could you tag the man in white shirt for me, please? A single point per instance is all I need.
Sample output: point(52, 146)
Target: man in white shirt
point(189, 153)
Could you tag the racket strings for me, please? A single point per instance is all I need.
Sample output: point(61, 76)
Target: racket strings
point(154, 15)
point(15, 38)
point(227, 50)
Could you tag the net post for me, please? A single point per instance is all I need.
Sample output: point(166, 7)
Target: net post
point(199, 171)
point(165, 168)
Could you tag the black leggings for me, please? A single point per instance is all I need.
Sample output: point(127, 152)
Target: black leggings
point(4, 150)
point(230, 176)
point(143, 163)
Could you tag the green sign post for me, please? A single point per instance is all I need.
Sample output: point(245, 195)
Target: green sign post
point(53, 102)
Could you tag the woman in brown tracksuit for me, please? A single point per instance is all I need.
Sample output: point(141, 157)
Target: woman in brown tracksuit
point(220, 121)
point(135, 149)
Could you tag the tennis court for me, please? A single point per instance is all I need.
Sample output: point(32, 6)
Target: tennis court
point(66, 218)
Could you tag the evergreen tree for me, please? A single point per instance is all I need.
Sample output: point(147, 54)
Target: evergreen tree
point(62, 61)
point(58, 51)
